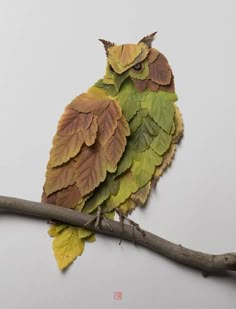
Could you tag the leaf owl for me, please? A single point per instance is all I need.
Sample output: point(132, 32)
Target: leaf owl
point(113, 142)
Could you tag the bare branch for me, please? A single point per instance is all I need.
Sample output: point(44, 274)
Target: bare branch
point(209, 263)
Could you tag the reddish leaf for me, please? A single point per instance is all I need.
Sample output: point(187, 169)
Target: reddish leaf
point(90, 134)
point(72, 121)
point(59, 177)
point(153, 86)
point(152, 55)
point(51, 199)
point(116, 145)
point(139, 84)
point(108, 121)
point(68, 197)
point(88, 102)
point(65, 147)
point(160, 71)
point(90, 168)
point(170, 87)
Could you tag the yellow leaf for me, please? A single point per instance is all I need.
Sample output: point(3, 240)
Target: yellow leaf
point(127, 206)
point(67, 246)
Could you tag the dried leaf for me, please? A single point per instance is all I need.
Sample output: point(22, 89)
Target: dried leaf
point(90, 134)
point(127, 206)
point(139, 84)
point(153, 86)
point(140, 197)
point(115, 147)
point(59, 177)
point(108, 122)
point(68, 197)
point(91, 168)
point(72, 122)
point(148, 39)
point(152, 55)
point(65, 147)
point(89, 103)
point(123, 57)
point(160, 71)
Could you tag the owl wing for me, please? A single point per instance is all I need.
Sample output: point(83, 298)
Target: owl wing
point(89, 142)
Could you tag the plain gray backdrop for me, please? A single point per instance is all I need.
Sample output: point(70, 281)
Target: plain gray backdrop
point(49, 53)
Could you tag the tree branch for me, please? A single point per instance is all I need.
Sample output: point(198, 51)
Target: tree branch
point(209, 263)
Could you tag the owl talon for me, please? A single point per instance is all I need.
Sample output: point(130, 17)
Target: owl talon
point(97, 220)
point(133, 224)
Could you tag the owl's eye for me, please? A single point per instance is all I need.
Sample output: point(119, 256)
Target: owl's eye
point(137, 67)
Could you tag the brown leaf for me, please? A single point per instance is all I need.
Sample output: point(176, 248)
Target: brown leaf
point(152, 55)
point(90, 134)
point(108, 121)
point(65, 147)
point(88, 102)
point(115, 147)
point(160, 71)
point(139, 84)
point(51, 199)
point(140, 197)
point(59, 177)
point(72, 121)
point(170, 87)
point(153, 86)
point(68, 197)
point(90, 168)
point(148, 39)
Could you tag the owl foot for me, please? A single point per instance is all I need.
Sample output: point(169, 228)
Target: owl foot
point(97, 219)
point(133, 224)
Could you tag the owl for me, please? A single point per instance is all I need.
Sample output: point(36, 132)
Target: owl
point(113, 142)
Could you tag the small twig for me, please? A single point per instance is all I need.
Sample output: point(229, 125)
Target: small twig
point(208, 263)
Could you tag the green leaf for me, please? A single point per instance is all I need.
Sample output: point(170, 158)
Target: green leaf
point(101, 194)
point(137, 119)
point(143, 74)
point(127, 187)
point(91, 238)
point(161, 143)
point(129, 99)
point(126, 161)
point(161, 108)
point(110, 215)
point(144, 166)
point(144, 135)
point(119, 79)
point(110, 89)
point(84, 233)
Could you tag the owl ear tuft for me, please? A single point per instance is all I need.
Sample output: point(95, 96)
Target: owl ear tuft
point(106, 45)
point(148, 39)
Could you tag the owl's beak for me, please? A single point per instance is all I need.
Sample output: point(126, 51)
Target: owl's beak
point(119, 79)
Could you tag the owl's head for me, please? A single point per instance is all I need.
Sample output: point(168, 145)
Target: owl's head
point(141, 63)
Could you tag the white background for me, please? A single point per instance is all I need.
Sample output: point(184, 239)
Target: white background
point(49, 53)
